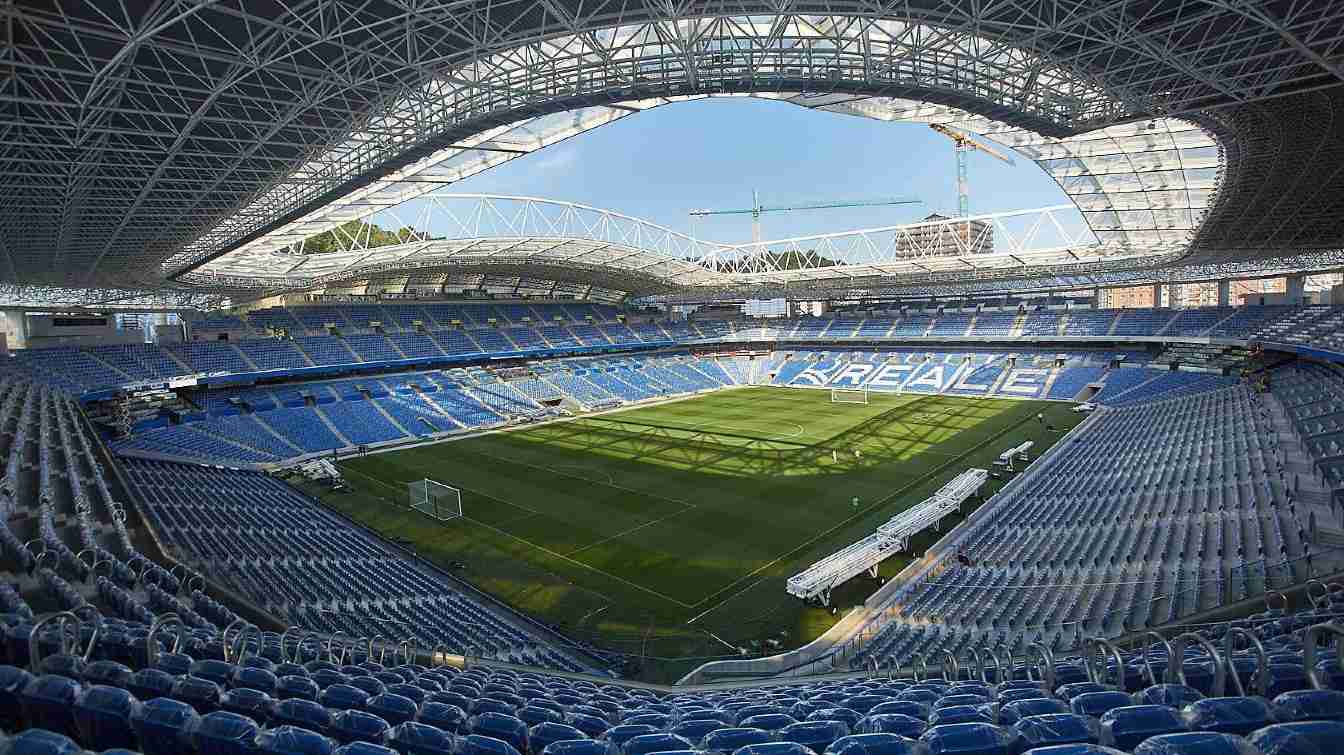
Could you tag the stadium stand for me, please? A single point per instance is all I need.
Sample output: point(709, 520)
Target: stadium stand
point(1197, 474)
point(1138, 521)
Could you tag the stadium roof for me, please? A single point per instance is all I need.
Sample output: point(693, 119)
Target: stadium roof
point(140, 142)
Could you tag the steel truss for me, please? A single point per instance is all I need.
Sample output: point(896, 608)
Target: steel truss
point(138, 141)
point(556, 240)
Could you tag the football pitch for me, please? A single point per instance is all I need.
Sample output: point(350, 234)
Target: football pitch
point(667, 531)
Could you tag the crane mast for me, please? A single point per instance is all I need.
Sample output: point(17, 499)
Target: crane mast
point(964, 144)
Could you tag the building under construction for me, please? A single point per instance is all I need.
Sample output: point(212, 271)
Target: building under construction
point(941, 236)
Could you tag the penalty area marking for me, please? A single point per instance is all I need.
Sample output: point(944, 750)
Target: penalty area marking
point(543, 548)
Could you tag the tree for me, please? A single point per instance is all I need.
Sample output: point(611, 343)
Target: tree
point(349, 233)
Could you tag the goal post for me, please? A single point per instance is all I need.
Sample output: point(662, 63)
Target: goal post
point(849, 395)
point(442, 502)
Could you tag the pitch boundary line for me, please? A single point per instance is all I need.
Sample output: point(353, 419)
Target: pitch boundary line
point(579, 563)
point(557, 470)
point(544, 549)
point(844, 523)
point(634, 529)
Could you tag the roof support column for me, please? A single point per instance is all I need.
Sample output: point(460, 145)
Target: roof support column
point(1295, 286)
point(1224, 292)
point(1157, 294)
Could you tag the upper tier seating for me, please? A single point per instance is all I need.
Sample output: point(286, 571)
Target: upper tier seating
point(89, 369)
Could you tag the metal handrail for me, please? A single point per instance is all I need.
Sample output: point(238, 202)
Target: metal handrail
point(224, 637)
point(1148, 665)
point(34, 640)
point(1048, 675)
point(1315, 600)
point(1313, 635)
point(1176, 663)
point(1260, 682)
point(951, 666)
point(1100, 646)
point(152, 645)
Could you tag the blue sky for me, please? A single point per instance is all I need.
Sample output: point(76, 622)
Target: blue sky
point(659, 164)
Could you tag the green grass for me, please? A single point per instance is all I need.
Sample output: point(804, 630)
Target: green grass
point(667, 531)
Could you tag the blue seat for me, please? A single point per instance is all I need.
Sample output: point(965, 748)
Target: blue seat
point(223, 733)
point(1300, 738)
point(1229, 715)
point(109, 673)
point(506, 728)
point(962, 714)
point(847, 716)
point(579, 747)
point(294, 685)
point(305, 714)
point(325, 677)
point(1126, 727)
point(409, 691)
point(249, 677)
point(815, 735)
point(730, 739)
point(775, 748)
point(149, 683)
point(1081, 748)
point(1020, 693)
point(358, 726)
point(367, 683)
point(1058, 729)
point(1036, 706)
point(40, 742)
point(1067, 692)
point(535, 714)
point(245, 701)
point(1195, 743)
point(218, 672)
point(48, 703)
point(657, 720)
point(490, 705)
point(1097, 703)
point(177, 664)
point(771, 722)
point(1310, 705)
point(696, 730)
point(1170, 695)
point(364, 748)
point(891, 723)
point(541, 735)
point(876, 744)
point(649, 743)
point(950, 701)
point(590, 725)
point(479, 744)
point(453, 719)
point(201, 694)
point(293, 740)
point(161, 725)
point(103, 715)
point(394, 709)
point(903, 707)
point(12, 681)
point(414, 738)
point(972, 739)
point(618, 735)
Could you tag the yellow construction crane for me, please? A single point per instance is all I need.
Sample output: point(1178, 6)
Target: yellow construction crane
point(964, 144)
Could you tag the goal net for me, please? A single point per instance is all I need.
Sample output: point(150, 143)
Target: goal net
point(443, 502)
point(849, 395)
